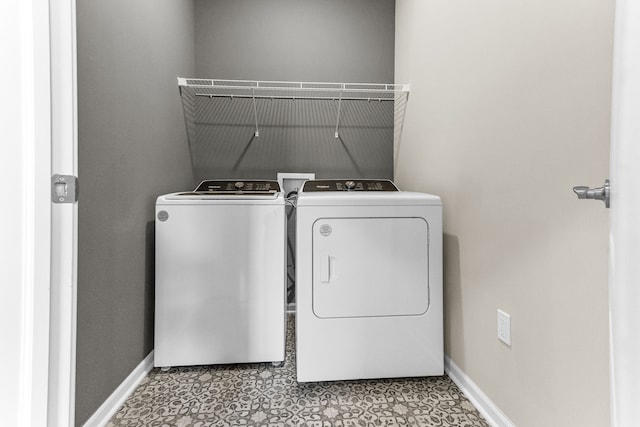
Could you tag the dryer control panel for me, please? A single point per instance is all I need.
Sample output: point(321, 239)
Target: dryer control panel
point(230, 187)
point(348, 185)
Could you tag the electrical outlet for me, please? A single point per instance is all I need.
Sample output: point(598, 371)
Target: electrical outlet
point(504, 327)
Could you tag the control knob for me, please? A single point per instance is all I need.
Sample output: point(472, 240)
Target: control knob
point(239, 185)
point(350, 185)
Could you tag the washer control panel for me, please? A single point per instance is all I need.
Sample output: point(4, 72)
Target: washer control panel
point(237, 187)
point(348, 185)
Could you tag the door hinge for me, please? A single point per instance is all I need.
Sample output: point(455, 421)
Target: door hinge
point(64, 188)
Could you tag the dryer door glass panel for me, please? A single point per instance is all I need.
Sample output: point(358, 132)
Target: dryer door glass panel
point(367, 267)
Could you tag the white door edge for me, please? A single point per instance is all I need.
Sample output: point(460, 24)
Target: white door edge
point(32, 179)
point(63, 216)
point(624, 247)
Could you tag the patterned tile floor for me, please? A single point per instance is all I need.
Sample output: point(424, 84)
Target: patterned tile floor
point(263, 395)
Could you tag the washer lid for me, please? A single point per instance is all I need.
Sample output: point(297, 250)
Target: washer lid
point(184, 199)
point(229, 190)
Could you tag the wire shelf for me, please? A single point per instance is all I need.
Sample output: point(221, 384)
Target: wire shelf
point(257, 97)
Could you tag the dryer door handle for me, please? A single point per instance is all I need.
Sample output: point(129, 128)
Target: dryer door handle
point(325, 268)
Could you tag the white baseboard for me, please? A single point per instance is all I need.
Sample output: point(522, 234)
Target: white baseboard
point(110, 406)
point(476, 396)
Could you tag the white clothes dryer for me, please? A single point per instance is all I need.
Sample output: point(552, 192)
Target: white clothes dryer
point(368, 282)
point(220, 274)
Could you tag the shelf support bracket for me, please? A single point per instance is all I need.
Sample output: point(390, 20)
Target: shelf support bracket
point(336, 135)
point(255, 112)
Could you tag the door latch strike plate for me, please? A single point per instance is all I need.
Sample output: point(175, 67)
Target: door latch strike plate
point(64, 188)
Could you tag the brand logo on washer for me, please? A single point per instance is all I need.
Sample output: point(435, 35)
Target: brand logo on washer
point(325, 230)
point(163, 215)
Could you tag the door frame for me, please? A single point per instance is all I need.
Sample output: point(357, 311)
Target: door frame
point(64, 236)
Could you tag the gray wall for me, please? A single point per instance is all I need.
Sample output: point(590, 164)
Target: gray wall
point(132, 147)
point(294, 40)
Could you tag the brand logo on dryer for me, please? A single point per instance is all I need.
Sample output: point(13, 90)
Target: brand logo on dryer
point(325, 230)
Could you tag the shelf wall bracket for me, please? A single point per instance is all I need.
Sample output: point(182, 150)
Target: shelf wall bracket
point(336, 135)
point(255, 112)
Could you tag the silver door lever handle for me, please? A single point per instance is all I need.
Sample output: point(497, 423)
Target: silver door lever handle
point(600, 193)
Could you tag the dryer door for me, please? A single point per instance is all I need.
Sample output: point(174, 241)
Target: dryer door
point(365, 267)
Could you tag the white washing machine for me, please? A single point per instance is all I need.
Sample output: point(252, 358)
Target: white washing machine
point(368, 282)
point(220, 274)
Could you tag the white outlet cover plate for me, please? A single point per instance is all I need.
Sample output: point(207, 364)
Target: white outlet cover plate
point(504, 327)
